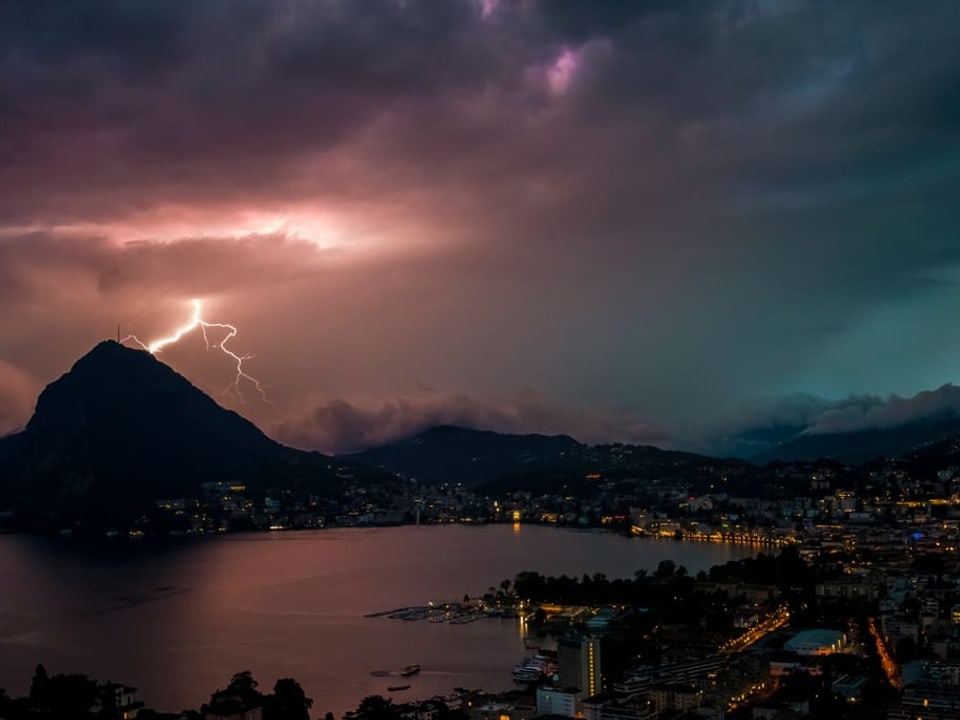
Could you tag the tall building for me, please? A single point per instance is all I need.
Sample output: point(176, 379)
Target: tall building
point(579, 665)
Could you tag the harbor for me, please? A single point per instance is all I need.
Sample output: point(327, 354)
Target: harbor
point(441, 612)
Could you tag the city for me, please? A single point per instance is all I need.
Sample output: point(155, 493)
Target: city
point(854, 591)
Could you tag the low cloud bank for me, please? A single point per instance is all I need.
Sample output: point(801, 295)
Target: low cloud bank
point(865, 412)
point(343, 426)
point(755, 428)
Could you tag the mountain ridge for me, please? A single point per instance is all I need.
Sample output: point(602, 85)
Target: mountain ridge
point(447, 453)
point(478, 457)
point(121, 429)
point(464, 454)
point(862, 445)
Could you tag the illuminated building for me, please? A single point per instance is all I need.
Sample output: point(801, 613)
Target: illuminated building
point(955, 614)
point(579, 664)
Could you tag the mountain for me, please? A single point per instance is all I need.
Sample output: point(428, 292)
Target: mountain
point(453, 454)
point(862, 445)
point(498, 463)
point(751, 442)
point(540, 463)
point(933, 458)
point(121, 429)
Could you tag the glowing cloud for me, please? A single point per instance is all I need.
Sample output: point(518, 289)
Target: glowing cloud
point(560, 73)
point(196, 321)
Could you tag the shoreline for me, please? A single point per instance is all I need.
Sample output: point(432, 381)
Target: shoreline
point(738, 539)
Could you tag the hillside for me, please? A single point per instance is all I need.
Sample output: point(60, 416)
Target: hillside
point(862, 445)
point(453, 454)
point(495, 463)
point(121, 429)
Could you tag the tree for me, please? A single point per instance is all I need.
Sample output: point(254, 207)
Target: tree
point(288, 702)
point(72, 696)
point(529, 585)
point(40, 689)
point(242, 683)
point(377, 707)
point(665, 569)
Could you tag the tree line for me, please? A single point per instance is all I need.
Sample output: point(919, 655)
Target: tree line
point(73, 696)
point(784, 571)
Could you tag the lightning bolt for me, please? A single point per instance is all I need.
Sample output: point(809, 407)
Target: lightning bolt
point(196, 321)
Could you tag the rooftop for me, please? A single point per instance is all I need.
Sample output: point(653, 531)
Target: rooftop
point(820, 636)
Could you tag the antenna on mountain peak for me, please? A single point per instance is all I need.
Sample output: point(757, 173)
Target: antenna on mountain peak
point(118, 333)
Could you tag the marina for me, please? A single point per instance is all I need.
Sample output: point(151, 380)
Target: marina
point(451, 613)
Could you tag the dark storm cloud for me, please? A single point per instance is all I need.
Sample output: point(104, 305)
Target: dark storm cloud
point(872, 412)
point(754, 427)
point(162, 101)
point(217, 98)
point(661, 205)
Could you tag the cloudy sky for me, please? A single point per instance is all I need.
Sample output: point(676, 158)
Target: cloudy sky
point(645, 220)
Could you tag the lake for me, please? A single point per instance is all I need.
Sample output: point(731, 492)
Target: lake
point(177, 619)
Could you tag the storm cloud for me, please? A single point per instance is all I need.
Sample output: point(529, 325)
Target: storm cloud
point(872, 412)
point(646, 212)
point(342, 426)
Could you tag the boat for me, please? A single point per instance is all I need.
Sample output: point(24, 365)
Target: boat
point(533, 669)
point(410, 670)
point(526, 674)
point(397, 688)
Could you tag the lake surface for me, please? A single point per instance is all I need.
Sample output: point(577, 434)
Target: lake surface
point(177, 619)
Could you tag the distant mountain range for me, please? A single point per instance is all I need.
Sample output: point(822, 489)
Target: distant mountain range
point(475, 457)
point(448, 453)
point(500, 462)
point(121, 429)
point(786, 443)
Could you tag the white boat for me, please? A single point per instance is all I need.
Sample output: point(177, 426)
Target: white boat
point(532, 669)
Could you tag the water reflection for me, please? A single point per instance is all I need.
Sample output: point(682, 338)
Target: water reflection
point(178, 619)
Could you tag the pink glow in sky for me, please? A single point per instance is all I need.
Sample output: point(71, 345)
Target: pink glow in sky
point(620, 220)
point(560, 73)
